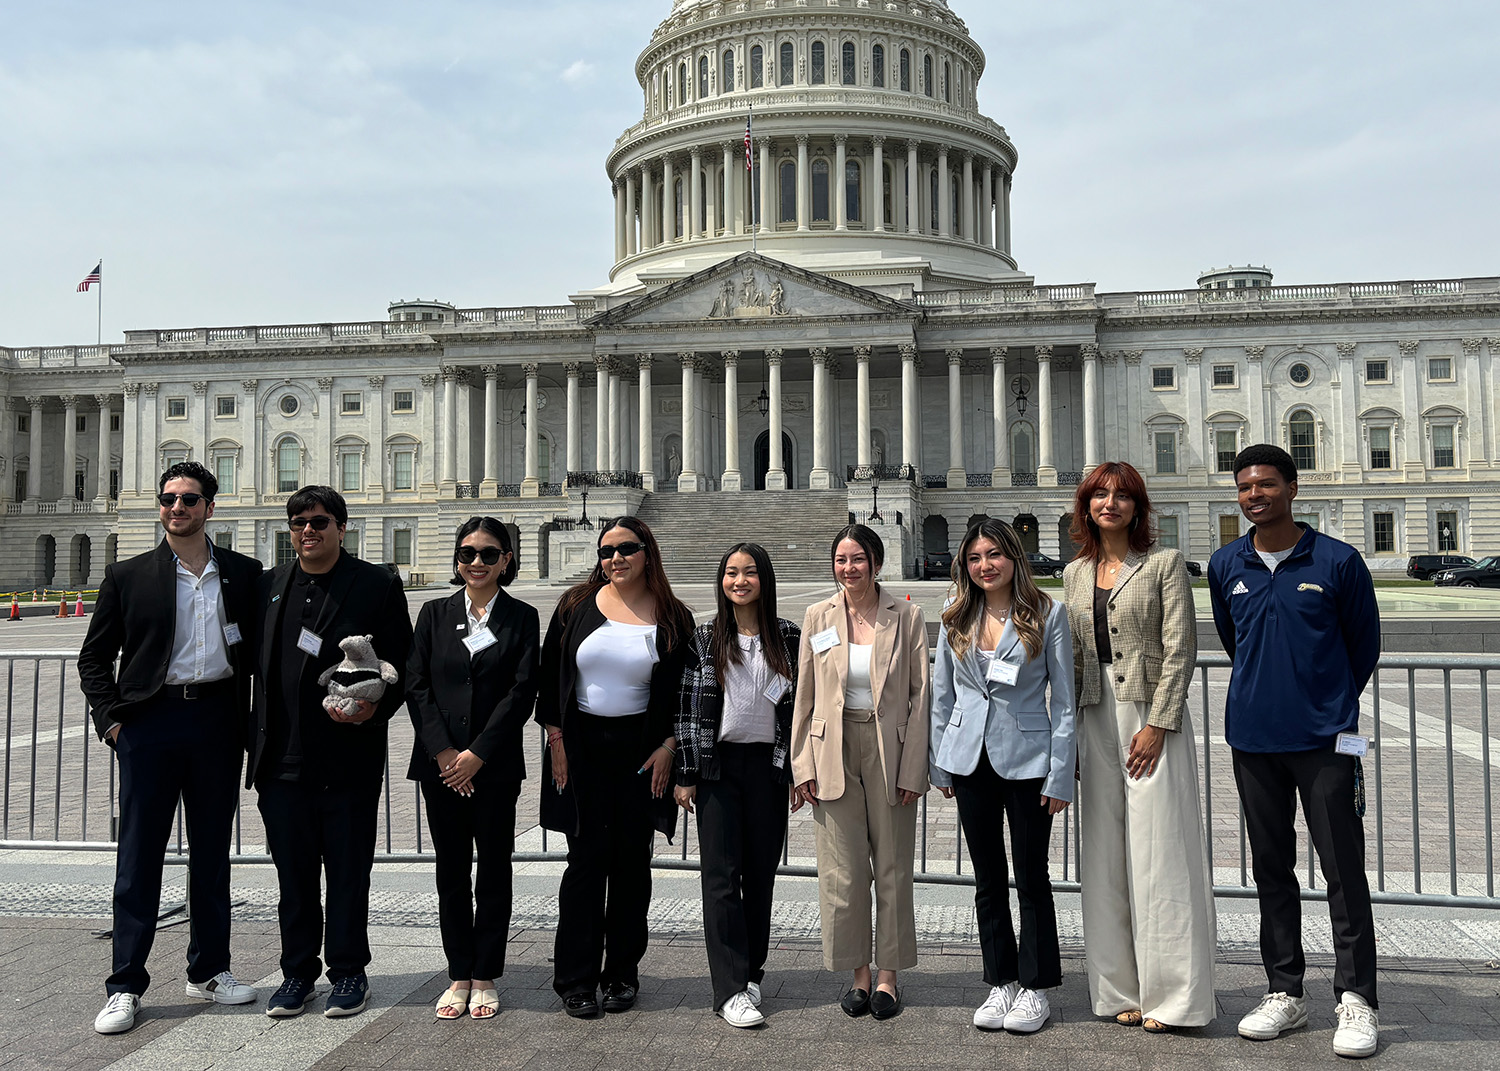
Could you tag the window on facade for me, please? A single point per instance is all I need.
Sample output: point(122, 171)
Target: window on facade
point(905, 71)
point(820, 199)
point(757, 67)
point(1166, 453)
point(176, 408)
point(115, 423)
point(114, 483)
point(726, 72)
point(1447, 533)
point(224, 405)
point(1309, 519)
point(21, 479)
point(1377, 371)
point(932, 190)
point(788, 192)
point(288, 405)
point(877, 66)
point(955, 206)
point(80, 480)
point(1380, 448)
point(224, 538)
point(819, 63)
point(224, 473)
point(1223, 375)
point(349, 471)
point(1384, 525)
point(352, 403)
point(351, 541)
point(402, 464)
point(288, 466)
point(702, 77)
point(23, 423)
point(847, 53)
point(1300, 374)
point(788, 63)
point(403, 401)
point(888, 194)
point(947, 82)
point(80, 423)
point(1226, 445)
point(680, 208)
point(284, 552)
point(682, 84)
point(851, 192)
point(1167, 534)
point(927, 75)
point(1163, 378)
point(1442, 446)
point(1303, 432)
point(401, 546)
point(1439, 369)
point(1229, 529)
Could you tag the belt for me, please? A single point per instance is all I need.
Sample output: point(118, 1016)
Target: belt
point(859, 714)
point(198, 690)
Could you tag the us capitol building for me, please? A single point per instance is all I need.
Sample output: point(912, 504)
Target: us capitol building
point(841, 328)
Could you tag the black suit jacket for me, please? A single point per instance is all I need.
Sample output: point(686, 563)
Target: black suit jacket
point(135, 618)
point(482, 702)
point(363, 600)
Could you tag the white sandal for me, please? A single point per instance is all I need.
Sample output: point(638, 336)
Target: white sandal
point(453, 1001)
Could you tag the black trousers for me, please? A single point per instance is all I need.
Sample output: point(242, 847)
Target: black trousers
point(175, 748)
point(983, 796)
point(312, 830)
point(741, 827)
point(1269, 786)
point(474, 918)
point(606, 889)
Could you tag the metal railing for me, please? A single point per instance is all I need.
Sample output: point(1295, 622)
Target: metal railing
point(1429, 827)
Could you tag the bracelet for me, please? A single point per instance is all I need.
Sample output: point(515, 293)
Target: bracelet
point(670, 750)
point(553, 737)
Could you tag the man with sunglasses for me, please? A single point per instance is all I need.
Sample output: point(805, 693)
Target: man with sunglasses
point(180, 618)
point(318, 774)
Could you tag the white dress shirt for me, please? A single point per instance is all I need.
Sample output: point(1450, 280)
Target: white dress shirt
point(199, 653)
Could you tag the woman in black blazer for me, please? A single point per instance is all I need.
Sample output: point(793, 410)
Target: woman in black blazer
point(471, 684)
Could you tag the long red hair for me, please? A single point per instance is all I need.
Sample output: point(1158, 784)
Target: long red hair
point(1121, 476)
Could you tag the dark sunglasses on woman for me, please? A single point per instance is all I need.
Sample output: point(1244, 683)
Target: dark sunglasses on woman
point(488, 555)
point(169, 499)
point(317, 524)
point(624, 549)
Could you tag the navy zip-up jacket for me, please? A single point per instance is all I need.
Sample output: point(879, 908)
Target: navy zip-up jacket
point(1304, 641)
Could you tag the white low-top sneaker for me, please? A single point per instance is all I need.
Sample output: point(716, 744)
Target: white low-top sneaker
point(1028, 1013)
point(752, 990)
point(222, 988)
point(738, 1011)
point(991, 1014)
point(1358, 1031)
point(119, 1013)
point(1276, 1012)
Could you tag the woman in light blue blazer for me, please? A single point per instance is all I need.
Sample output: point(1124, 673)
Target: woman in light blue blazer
point(1001, 742)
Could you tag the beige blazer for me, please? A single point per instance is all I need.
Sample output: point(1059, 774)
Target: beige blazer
point(901, 681)
point(1153, 632)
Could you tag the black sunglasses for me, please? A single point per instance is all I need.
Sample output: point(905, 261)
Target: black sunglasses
point(169, 499)
point(488, 555)
point(624, 549)
point(317, 524)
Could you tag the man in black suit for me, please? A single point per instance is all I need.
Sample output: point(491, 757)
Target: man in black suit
point(181, 619)
point(319, 773)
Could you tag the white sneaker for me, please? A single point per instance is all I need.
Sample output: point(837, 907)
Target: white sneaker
point(752, 990)
point(222, 988)
point(1358, 1031)
point(1028, 1013)
point(1275, 1013)
point(738, 1011)
point(991, 1014)
point(118, 1015)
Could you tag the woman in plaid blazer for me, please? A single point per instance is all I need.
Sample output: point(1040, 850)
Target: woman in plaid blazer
point(1148, 909)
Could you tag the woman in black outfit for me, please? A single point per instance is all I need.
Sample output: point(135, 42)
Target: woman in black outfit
point(611, 670)
point(471, 681)
point(734, 726)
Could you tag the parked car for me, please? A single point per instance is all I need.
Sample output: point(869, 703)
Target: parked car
point(1041, 565)
point(1485, 573)
point(1425, 566)
point(1195, 569)
point(937, 563)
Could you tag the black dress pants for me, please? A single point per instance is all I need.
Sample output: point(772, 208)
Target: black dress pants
point(171, 749)
point(983, 797)
point(1269, 786)
point(312, 830)
point(474, 919)
point(606, 889)
point(741, 827)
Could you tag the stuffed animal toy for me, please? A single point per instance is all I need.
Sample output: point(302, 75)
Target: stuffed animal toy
point(360, 676)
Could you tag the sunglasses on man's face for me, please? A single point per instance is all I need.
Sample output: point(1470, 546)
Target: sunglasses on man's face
point(169, 499)
point(488, 555)
point(317, 524)
point(607, 552)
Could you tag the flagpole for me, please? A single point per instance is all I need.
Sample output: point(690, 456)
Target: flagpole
point(754, 200)
point(99, 323)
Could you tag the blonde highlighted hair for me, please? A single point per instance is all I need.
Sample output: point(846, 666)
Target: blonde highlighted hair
point(1029, 604)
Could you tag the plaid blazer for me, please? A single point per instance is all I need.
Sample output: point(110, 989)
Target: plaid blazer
point(1153, 633)
point(701, 710)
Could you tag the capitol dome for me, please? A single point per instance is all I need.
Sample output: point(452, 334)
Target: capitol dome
point(871, 161)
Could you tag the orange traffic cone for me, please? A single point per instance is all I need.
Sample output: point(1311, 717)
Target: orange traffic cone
point(62, 605)
point(33, 595)
point(78, 607)
point(908, 598)
point(15, 607)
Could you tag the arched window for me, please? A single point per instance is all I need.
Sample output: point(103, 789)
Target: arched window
point(905, 71)
point(288, 466)
point(679, 213)
point(702, 77)
point(851, 191)
point(682, 84)
point(947, 82)
point(820, 199)
point(889, 195)
point(788, 63)
point(848, 72)
point(1020, 449)
point(933, 191)
point(788, 192)
point(819, 63)
point(877, 66)
point(757, 67)
point(1302, 431)
point(726, 74)
point(927, 75)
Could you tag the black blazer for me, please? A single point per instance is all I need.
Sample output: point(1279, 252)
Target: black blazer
point(480, 702)
point(363, 600)
point(557, 703)
point(135, 618)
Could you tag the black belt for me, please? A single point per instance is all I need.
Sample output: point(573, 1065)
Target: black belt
point(199, 690)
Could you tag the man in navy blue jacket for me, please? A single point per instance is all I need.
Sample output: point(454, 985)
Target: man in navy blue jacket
point(1296, 611)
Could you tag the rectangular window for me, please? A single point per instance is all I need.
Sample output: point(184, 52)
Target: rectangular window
point(1166, 532)
point(81, 423)
point(23, 423)
point(176, 408)
point(1447, 533)
point(224, 473)
point(224, 405)
point(402, 463)
point(114, 483)
point(1309, 519)
point(224, 537)
point(1229, 529)
point(284, 552)
point(401, 546)
point(1166, 453)
point(1163, 378)
point(114, 422)
point(1439, 369)
point(1380, 448)
point(352, 403)
point(349, 472)
point(21, 478)
point(80, 480)
point(351, 541)
point(1377, 371)
point(1226, 446)
point(403, 401)
point(1442, 446)
point(1223, 375)
point(1385, 532)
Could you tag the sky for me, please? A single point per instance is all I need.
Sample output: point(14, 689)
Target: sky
point(287, 162)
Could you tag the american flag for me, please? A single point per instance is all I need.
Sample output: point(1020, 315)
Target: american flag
point(90, 279)
point(749, 151)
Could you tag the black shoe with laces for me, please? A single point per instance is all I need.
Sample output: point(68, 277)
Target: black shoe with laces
point(348, 997)
point(290, 999)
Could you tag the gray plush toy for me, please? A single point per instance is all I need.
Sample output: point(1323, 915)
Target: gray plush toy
point(360, 676)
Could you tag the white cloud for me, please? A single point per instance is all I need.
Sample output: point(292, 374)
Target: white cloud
point(579, 71)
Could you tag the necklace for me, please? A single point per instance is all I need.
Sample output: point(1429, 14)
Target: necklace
point(859, 616)
point(1001, 616)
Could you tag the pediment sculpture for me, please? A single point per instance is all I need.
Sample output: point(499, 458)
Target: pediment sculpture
point(746, 298)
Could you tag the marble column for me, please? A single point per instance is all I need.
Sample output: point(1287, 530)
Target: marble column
point(648, 197)
point(688, 479)
point(730, 200)
point(1005, 212)
point(821, 478)
point(613, 425)
point(1046, 470)
point(34, 450)
point(957, 477)
point(489, 476)
point(911, 402)
point(102, 483)
point(668, 202)
point(776, 476)
point(646, 446)
point(804, 185)
point(862, 410)
point(694, 223)
point(530, 485)
point(130, 448)
point(945, 195)
point(733, 479)
point(619, 221)
point(1091, 410)
point(987, 209)
point(968, 197)
point(999, 401)
point(575, 419)
point(837, 187)
point(601, 413)
point(913, 193)
point(450, 426)
point(70, 445)
point(631, 246)
point(765, 186)
point(877, 167)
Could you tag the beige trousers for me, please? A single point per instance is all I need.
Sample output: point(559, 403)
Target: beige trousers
point(863, 839)
point(1149, 929)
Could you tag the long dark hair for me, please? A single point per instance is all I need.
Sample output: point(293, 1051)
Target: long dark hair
point(724, 647)
point(1029, 603)
point(869, 541)
point(674, 621)
point(493, 528)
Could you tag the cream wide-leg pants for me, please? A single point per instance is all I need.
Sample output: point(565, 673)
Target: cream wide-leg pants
point(1149, 928)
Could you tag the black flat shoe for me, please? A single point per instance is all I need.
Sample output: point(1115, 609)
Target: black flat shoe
point(883, 1005)
point(855, 1003)
point(581, 1006)
point(619, 997)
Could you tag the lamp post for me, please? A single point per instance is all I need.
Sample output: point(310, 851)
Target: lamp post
point(583, 521)
point(875, 506)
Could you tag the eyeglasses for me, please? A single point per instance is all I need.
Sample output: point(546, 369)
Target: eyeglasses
point(317, 524)
point(488, 555)
point(623, 549)
point(168, 499)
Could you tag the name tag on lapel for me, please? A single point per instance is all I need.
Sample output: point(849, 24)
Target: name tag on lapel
point(1003, 672)
point(310, 642)
point(651, 651)
point(825, 640)
point(480, 641)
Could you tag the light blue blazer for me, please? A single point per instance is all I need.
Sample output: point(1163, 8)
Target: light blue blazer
point(1026, 735)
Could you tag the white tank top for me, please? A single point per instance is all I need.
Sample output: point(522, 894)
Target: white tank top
point(614, 669)
point(858, 694)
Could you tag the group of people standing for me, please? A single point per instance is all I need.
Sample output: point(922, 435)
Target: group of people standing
point(748, 717)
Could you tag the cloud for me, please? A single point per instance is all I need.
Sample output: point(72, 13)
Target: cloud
point(580, 71)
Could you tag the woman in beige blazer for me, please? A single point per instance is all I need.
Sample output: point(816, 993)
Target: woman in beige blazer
point(859, 757)
point(1149, 930)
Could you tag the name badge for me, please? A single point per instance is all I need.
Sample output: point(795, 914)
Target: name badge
point(1352, 744)
point(231, 634)
point(479, 641)
point(310, 642)
point(651, 651)
point(825, 640)
point(776, 689)
point(1003, 672)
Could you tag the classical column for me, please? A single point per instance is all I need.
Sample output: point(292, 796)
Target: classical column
point(645, 447)
point(1005, 212)
point(957, 477)
point(968, 198)
point(450, 426)
point(70, 445)
point(34, 449)
point(776, 477)
point(648, 191)
point(913, 196)
point(1000, 474)
point(601, 413)
point(1091, 409)
point(613, 428)
point(619, 221)
point(693, 228)
point(733, 479)
point(688, 479)
point(731, 202)
point(631, 248)
point(911, 450)
point(530, 486)
point(804, 188)
point(945, 195)
point(130, 450)
point(862, 410)
point(765, 185)
point(820, 479)
point(489, 475)
point(668, 201)
point(102, 483)
point(878, 166)
point(838, 188)
point(575, 419)
point(1046, 471)
point(987, 209)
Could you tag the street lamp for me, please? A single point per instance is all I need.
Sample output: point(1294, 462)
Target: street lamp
point(1020, 389)
point(583, 521)
point(875, 506)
